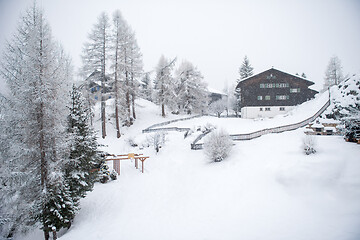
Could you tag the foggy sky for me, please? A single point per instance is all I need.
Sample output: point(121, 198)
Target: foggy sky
point(292, 36)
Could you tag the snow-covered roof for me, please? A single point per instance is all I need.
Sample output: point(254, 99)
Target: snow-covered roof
point(213, 90)
point(299, 77)
point(317, 125)
point(330, 128)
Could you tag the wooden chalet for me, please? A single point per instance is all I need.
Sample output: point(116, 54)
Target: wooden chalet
point(273, 92)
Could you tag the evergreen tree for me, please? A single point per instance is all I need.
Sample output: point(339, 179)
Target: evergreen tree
point(84, 155)
point(37, 72)
point(60, 208)
point(246, 70)
point(192, 96)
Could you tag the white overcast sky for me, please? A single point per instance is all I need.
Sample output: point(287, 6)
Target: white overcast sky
point(215, 35)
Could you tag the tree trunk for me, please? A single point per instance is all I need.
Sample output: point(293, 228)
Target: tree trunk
point(163, 110)
point(133, 105)
point(46, 234)
point(103, 124)
point(54, 234)
point(103, 79)
point(118, 134)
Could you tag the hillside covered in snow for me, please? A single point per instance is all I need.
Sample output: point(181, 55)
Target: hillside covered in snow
point(267, 188)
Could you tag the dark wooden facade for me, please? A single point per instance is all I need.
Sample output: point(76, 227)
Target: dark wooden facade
point(275, 88)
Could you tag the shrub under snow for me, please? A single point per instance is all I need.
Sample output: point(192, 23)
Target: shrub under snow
point(218, 145)
point(309, 144)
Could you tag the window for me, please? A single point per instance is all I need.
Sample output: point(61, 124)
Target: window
point(282, 85)
point(261, 109)
point(267, 109)
point(274, 85)
point(294, 90)
point(259, 97)
point(267, 97)
point(282, 97)
point(270, 85)
point(282, 109)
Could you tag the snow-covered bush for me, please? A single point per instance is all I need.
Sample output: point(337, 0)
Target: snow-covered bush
point(218, 145)
point(345, 99)
point(104, 173)
point(309, 144)
point(113, 175)
point(131, 142)
point(156, 140)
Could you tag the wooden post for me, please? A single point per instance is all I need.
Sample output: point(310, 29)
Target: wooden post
point(142, 166)
point(116, 165)
point(136, 163)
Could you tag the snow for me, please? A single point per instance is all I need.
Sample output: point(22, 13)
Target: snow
point(239, 125)
point(266, 189)
point(213, 90)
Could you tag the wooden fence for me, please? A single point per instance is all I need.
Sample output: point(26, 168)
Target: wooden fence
point(153, 128)
point(248, 136)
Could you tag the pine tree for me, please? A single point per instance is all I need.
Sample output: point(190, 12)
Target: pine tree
point(60, 208)
point(95, 57)
point(192, 96)
point(164, 84)
point(246, 70)
point(37, 72)
point(84, 155)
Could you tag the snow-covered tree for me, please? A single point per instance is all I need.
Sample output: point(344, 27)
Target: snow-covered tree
point(218, 107)
point(60, 209)
point(309, 144)
point(333, 73)
point(192, 95)
point(37, 72)
point(147, 87)
point(237, 101)
point(246, 70)
point(127, 60)
point(95, 57)
point(84, 154)
point(135, 70)
point(164, 84)
point(156, 140)
point(217, 145)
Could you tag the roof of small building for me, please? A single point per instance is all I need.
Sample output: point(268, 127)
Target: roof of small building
point(317, 125)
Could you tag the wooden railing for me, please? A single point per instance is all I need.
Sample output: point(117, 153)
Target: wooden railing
point(248, 136)
point(154, 128)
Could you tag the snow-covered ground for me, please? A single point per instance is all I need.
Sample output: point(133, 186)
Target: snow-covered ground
point(267, 189)
point(239, 126)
